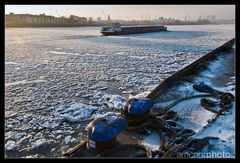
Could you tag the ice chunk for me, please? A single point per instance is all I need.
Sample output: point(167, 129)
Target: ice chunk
point(12, 63)
point(39, 143)
point(107, 115)
point(69, 139)
point(115, 101)
point(59, 137)
point(62, 53)
point(75, 113)
point(27, 117)
point(39, 135)
point(10, 145)
point(25, 82)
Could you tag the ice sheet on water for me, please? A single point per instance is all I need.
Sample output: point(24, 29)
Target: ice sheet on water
point(115, 101)
point(140, 95)
point(63, 53)
point(25, 82)
point(39, 66)
point(75, 113)
point(11, 63)
point(139, 57)
point(109, 115)
point(39, 143)
point(69, 139)
point(15, 136)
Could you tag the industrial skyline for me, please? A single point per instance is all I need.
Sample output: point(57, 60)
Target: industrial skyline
point(129, 12)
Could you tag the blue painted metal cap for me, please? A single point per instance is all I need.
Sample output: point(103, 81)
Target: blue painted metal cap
point(138, 107)
point(104, 129)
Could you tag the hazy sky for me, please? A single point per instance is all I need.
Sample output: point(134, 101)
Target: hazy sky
point(128, 12)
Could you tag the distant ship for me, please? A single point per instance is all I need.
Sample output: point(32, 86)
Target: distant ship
point(116, 29)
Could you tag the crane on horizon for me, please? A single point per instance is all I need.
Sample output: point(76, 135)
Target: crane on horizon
point(107, 17)
point(185, 19)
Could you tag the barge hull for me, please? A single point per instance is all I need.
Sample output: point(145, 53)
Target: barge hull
point(135, 30)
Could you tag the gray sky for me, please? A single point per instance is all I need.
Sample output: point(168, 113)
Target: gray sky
point(128, 12)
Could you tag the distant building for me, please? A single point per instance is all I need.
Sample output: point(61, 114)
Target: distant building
point(99, 19)
point(109, 20)
point(209, 17)
point(213, 18)
point(83, 20)
point(90, 20)
point(77, 19)
point(73, 17)
point(12, 19)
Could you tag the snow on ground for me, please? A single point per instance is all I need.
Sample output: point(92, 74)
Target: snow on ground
point(193, 116)
point(224, 128)
point(152, 141)
point(59, 79)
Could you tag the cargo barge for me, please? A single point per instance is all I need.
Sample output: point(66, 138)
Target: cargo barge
point(116, 29)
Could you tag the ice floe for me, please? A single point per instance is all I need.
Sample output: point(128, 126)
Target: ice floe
point(25, 82)
point(64, 53)
point(75, 113)
point(10, 145)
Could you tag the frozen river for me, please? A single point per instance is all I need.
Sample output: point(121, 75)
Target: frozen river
point(59, 79)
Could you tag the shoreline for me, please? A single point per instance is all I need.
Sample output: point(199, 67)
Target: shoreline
point(54, 25)
point(97, 25)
